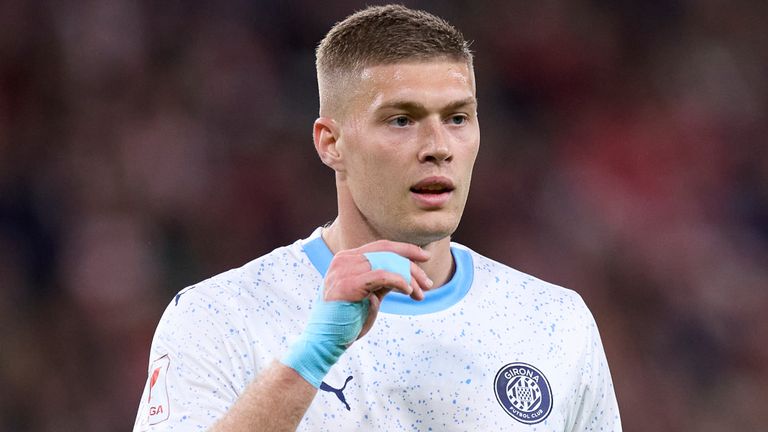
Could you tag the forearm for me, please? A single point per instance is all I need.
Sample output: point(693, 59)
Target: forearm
point(279, 397)
point(275, 401)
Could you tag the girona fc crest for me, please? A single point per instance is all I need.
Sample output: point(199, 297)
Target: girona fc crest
point(524, 392)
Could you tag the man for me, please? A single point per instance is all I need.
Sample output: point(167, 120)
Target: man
point(444, 338)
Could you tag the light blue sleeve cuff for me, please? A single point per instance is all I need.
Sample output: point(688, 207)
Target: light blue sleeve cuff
point(332, 327)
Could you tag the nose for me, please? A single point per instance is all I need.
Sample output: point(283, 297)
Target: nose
point(435, 148)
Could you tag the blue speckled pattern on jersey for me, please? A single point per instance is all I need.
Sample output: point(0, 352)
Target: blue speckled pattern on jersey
point(423, 372)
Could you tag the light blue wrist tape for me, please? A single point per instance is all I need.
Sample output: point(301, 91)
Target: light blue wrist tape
point(332, 327)
point(391, 262)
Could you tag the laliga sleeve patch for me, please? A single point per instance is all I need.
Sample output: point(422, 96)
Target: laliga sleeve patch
point(157, 399)
point(390, 262)
point(524, 392)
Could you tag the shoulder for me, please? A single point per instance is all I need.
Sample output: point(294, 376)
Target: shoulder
point(280, 282)
point(270, 274)
point(225, 309)
point(511, 286)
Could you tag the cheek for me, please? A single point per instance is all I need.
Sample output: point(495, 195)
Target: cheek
point(467, 149)
point(370, 176)
point(474, 147)
point(469, 157)
point(374, 161)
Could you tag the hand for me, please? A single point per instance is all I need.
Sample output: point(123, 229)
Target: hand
point(351, 298)
point(350, 277)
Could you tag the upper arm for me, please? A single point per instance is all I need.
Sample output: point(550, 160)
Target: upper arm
point(199, 363)
point(597, 408)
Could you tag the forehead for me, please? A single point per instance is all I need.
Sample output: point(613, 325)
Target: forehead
point(437, 79)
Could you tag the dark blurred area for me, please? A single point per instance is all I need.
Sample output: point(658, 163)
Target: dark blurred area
point(147, 145)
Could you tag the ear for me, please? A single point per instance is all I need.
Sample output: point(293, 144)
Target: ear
point(326, 133)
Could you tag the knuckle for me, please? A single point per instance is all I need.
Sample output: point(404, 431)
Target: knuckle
point(379, 278)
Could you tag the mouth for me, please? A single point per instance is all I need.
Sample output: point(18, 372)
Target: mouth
point(433, 186)
point(433, 193)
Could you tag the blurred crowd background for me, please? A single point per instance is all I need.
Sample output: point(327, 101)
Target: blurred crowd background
point(146, 145)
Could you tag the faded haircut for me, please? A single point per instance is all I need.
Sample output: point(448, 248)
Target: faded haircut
point(380, 35)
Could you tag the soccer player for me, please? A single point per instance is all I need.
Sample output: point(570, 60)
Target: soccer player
point(378, 321)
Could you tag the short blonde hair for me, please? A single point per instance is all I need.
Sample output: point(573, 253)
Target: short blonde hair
point(381, 35)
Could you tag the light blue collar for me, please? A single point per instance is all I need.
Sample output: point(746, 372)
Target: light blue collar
point(397, 303)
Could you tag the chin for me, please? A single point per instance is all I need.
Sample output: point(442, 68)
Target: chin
point(424, 235)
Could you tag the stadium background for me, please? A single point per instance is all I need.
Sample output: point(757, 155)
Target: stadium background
point(146, 145)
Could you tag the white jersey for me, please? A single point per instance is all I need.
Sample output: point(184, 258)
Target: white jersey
point(494, 349)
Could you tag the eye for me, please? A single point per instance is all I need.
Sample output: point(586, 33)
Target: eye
point(458, 119)
point(400, 121)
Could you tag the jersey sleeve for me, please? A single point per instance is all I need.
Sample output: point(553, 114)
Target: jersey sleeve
point(198, 365)
point(598, 409)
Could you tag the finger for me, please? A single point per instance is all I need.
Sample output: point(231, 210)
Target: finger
point(418, 289)
point(381, 279)
point(359, 287)
point(420, 277)
point(337, 283)
point(418, 292)
point(407, 250)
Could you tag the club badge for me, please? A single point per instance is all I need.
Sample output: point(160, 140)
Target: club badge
point(524, 392)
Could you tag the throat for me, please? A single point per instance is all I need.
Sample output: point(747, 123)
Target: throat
point(441, 267)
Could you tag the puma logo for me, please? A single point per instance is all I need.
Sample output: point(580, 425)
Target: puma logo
point(181, 293)
point(338, 392)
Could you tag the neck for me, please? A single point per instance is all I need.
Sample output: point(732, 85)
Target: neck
point(340, 236)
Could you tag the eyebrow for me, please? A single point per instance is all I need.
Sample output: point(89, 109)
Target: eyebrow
point(416, 107)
